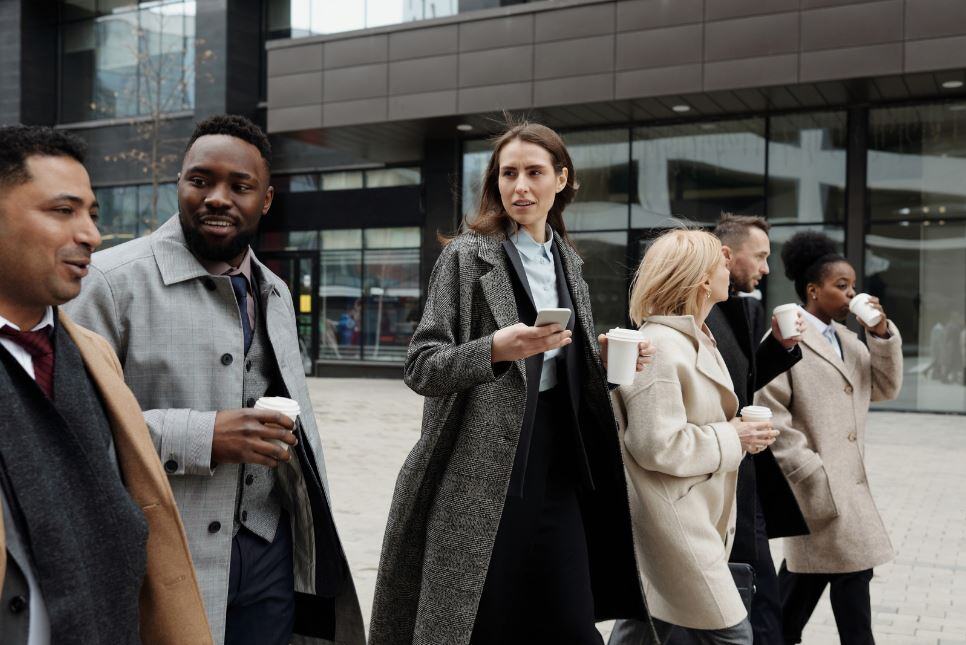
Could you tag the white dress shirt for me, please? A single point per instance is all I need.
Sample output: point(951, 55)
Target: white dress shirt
point(538, 264)
point(825, 330)
point(38, 630)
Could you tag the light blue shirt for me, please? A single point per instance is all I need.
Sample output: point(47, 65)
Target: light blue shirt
point(542, 277)
point(825, 330)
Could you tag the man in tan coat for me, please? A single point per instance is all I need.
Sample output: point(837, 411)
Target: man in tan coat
point(92, 550)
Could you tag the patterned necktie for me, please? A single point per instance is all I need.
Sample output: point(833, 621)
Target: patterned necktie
point(41, 350)
point(240, 285)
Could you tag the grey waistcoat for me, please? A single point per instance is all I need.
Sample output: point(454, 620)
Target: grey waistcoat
point(259, 505)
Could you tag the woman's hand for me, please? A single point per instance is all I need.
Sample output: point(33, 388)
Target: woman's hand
point(645, 352)
point(755, 436)
point(882, 328)
point(522, 341)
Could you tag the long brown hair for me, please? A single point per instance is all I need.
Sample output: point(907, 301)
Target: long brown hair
point(491, 218)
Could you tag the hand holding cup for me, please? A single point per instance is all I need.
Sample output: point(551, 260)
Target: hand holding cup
point(251, 436)
point(870, 314)
point(645, 352)
point(754, 428)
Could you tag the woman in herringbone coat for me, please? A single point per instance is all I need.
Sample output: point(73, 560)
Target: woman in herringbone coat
point(820, 406)
point(510, 519)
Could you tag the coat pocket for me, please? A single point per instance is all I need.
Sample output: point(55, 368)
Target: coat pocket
point(815, 496)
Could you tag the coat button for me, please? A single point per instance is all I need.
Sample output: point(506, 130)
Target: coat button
point(848, 389)
point(249, 479)
point(209, 284)
point(17, 604)
point(171, 466)
point(214, 527)
point(226, 359)
point(244, 516)
point(852, 436)
point(250, 402)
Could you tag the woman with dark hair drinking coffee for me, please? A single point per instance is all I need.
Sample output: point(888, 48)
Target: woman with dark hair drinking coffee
point(820, 406)
point(509, 522)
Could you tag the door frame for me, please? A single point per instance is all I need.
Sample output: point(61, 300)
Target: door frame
point(313, 257)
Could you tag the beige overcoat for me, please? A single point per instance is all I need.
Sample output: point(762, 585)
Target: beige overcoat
point(820, 408)
point(681, 460)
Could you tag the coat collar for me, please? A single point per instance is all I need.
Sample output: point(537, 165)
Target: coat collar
point(818, 344)
point(705, 361)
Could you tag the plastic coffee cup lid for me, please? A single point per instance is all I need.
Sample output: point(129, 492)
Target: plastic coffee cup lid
point(755, 411)
point(632, 335)
point(279, 404)
point(780, 308)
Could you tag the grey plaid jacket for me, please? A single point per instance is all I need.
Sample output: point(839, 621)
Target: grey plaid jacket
point(178, 335)
point(449, 495)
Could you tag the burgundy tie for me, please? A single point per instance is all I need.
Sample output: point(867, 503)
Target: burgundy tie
point(38, 345)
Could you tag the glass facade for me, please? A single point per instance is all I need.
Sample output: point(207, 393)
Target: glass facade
point(127, 212)
point(366, 298)
point(915, 245)
point(348, 180)
point(300, 18)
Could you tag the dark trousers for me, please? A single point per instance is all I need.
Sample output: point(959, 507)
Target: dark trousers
point(849, 594)
point(537, 587)
point(766, 608)
point(261, 588)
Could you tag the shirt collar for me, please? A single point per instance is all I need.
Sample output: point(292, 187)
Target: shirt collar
point(46, 321)
point(218, 267)
point(821, 327)
point(530, 247)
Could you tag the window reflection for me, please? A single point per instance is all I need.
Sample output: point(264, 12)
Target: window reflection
point(806, 168)
point(300, 18)
point(119, 60)
point(606, 274)
point(696, 171)
point(127, 212)
point(601, 162)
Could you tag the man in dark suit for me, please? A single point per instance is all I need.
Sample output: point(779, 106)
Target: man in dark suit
point(766, 506)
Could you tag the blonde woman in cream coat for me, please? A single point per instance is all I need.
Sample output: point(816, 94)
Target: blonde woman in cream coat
point(682, 444)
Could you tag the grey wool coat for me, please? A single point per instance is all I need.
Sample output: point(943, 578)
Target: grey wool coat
point(820, 408)
point(177, 333)
point(449, 495)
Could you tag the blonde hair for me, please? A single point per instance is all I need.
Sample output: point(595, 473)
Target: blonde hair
point(668, 281)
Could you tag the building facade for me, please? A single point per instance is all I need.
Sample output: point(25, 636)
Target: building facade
point(838, 115)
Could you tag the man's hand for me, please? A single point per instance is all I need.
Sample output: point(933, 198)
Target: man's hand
point(645, 352)
point(245, 436)
point(790, 342)
point(522, 341)
point(755, 436)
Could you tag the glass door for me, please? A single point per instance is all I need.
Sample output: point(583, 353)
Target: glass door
point(300, 271)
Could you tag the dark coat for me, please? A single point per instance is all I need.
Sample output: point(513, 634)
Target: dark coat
point(449, 496)
point(734, 324)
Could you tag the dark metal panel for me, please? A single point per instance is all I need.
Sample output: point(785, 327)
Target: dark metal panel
point(334, 209)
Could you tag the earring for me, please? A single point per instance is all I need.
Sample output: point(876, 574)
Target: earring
point(708, 294)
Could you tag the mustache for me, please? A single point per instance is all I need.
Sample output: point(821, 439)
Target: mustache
point(78, 254)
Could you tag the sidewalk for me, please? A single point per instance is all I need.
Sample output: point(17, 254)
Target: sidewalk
point(916, 462)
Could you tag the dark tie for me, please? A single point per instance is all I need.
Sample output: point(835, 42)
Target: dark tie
point(41, 350)
point(240, 285)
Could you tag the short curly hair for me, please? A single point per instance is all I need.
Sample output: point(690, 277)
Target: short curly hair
point(18, 142)
point(807, 256)
point(236, 126)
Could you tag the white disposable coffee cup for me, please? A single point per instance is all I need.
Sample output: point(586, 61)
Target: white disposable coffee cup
point(752, 413)
point(787, 316)
point(864, 311)
point(288, 407)
point(622, 351)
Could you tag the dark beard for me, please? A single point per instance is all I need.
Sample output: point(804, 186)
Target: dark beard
point(225, 252)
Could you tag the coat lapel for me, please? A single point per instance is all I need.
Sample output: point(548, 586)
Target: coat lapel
point(705, 361)
point(497, 289)
point(818, 344)
point(517, 263)
point(572, 264)
point(850, 356)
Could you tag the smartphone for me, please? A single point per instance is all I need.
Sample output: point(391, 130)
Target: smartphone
point(551, 316)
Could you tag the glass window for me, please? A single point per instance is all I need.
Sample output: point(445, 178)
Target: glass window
point(391, 302)
point(601, 162)
point(128, 60)
point(392, 177)
point(152, 214)
point(695, 171)
point(340, 295)
point(307, 183)
point(916, 245)
point(392, 238)
point(476, 154)
point(917, 162)
point(342, 180)
point(118, 214)
point(606, 273)
point(806, 168)
point(300, 18)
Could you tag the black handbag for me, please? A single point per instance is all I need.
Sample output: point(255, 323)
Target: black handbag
point(744, 576)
